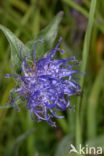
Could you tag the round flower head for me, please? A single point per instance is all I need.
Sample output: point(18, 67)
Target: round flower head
point(46, 85)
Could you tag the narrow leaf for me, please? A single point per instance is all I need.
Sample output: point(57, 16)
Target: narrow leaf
point(45, 40)
point(16, 46)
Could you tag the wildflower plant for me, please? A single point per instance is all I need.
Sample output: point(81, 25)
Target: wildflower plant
point(44, 83)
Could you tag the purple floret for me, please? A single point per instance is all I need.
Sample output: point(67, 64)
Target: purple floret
point(47, 85)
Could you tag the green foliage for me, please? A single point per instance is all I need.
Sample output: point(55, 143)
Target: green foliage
point(46, 37)
point(16, 47)
point(63, 147)
point(19, 51)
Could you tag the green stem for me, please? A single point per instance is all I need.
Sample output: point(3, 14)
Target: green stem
point(85, 53)
point(87, 39)
point(31, 139)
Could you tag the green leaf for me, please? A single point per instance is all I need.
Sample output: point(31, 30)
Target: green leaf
point(16, 46)
point(64, 146)
point(97, 142)
point(19, 50)
point(93, 104)
point(14, 146)
point(45, 40)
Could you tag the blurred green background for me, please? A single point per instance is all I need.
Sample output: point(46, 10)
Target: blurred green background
point(83, 37)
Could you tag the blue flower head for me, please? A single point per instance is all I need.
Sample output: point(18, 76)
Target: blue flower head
point(46, 85)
